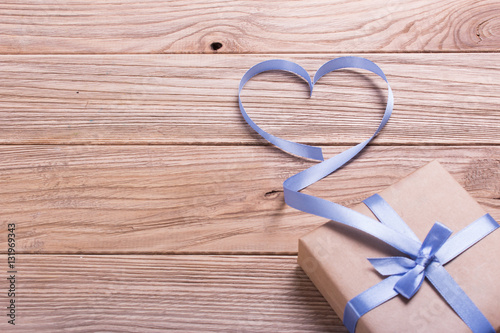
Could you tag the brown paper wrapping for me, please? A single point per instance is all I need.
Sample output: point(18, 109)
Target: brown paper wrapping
point(334, 258)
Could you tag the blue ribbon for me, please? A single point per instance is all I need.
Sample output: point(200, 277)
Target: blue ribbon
point(425, 259)
point(406, 275)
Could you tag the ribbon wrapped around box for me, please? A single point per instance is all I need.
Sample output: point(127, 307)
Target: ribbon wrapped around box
point(370, 262)
point(335, 258)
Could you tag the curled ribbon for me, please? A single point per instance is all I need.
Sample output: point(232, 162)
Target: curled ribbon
point(425, 259)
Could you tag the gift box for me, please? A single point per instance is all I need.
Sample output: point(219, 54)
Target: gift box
point(334, 256)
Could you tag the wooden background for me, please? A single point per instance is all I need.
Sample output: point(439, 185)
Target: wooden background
point(142, 200)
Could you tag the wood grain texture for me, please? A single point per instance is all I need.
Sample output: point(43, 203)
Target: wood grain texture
point(66, 293)
point(142, 200)
point(192, 199)
point(191, 99)
point(125, 26)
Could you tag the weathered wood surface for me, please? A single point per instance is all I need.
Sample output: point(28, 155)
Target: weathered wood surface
point(126, 26)
point(179, 99)
point(143, 202)
point(191, 199)
point(86, 293)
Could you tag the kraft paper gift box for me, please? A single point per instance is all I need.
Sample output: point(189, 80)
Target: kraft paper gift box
point(334, 257)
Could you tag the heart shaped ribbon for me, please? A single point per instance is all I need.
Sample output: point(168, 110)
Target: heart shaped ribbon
point(335, 64)
point(427, 258)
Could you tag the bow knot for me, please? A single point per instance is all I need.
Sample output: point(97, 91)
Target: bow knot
point(412, 272)
point(424, 260)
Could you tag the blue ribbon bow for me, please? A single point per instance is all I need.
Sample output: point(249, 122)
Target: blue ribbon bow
point(405, 274)
point(413, 270)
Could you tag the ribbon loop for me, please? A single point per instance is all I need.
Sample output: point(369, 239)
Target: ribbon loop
point(435, 239)
point(414, 270)
point(392, 265)
point(295, 148)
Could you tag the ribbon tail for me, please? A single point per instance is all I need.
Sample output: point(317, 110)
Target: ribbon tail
point(458, 299)
point(368, 300)
point(333, 211)
point(392, 265)
point(411, 282)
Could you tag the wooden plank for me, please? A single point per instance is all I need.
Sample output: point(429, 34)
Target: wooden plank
point(179, 99)
point(65, 293)
point(125, 26)
point(195, 199)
